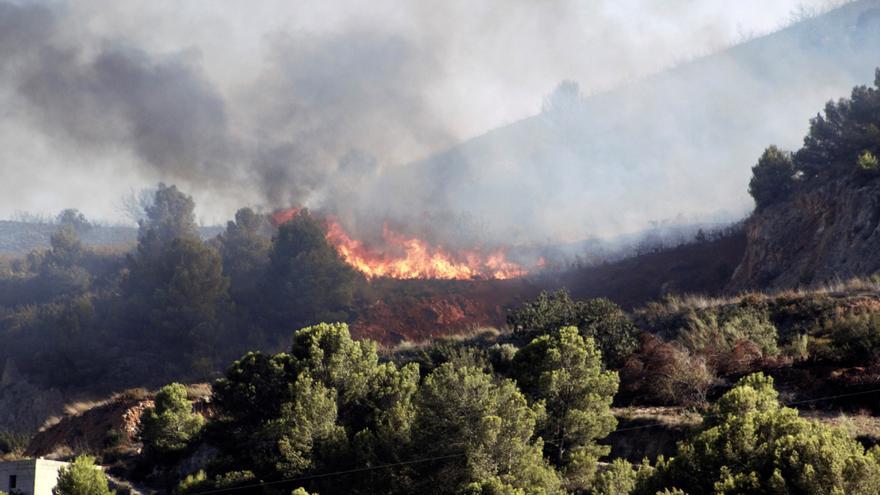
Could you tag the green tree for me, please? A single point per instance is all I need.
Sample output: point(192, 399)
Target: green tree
point(176, 292)
point(328, 404)
point(171, 424)
point(619, 478)
point(307, 428)
point(773, 178)
point(61, 271)
point(749, 443)
point(849, 128)
point(74, 219)
point(171, 216)
point(253, 391)
point(868, 163)
point(564, 372)
point(186, 292)
point(482, 432)
point(307, 281)
point(82, 477)
point(374, 400)
point(598, 318)
point(245, 251)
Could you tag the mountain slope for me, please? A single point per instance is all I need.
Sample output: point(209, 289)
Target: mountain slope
point(677, 143)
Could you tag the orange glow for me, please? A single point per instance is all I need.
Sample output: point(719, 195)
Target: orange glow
point(409, 257)
point(281, 216)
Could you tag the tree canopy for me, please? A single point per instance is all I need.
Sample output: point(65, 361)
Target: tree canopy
point(171, 424)
point(773, 178)
point(564, 372)
point(599, 318)
point(749, 443)
point(82, 477)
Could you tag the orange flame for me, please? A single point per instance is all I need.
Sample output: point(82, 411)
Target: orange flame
point(282, 216)
point(409, 257)
point(416, 258)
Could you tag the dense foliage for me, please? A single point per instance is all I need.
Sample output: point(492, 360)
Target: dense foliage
point(82, 477)
point(171, 424)
point(843, 141)
point(773, 178)
point(749, 443)
point(176, 307)
point(600, 319)
point(331, 404)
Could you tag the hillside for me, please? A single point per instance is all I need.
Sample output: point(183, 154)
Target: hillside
point(678, 141)
point(830, 232)
point(19, 238)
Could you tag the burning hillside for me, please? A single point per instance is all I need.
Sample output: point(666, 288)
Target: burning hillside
point(405, 257)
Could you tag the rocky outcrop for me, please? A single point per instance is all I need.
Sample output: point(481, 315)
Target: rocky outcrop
point(111, 423)
point(819, 235)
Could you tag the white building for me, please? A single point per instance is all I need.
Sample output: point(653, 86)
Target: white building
point(29, 477)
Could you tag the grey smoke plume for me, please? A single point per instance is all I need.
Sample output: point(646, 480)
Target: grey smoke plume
point(335, 114)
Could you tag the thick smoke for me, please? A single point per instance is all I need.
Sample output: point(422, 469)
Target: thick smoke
point(326, 106)
point(336, 114)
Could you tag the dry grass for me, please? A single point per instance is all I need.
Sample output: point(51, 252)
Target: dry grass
point(196, 391)
point(834, 288)
point(474, 333)
point(861, 424)
point(662, 416)
point(50, 422)
point(79, 407)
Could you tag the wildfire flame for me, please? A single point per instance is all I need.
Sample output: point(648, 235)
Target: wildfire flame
point(406, 257)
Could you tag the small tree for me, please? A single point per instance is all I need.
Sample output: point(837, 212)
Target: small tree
point(244, 248)
point(565, 372)
point(749, 443)
point(73, 218)
point(171, 216)
point(599, 318)
point(868, 163)
point(82, 477)
point(171, 424)
point(308, 281)
point(619, 478)
point(465, 411)
point(772, 178)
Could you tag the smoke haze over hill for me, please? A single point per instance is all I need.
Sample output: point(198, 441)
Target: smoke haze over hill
point(331, 107)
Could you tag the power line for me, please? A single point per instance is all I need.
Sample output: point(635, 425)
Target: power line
point(331, 474)
point(817, 399)
point(462, 454)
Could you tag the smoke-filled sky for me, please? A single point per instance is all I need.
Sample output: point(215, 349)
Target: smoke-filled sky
point(274, 103)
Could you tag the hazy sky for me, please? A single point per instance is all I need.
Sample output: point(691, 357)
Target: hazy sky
point(460, 68)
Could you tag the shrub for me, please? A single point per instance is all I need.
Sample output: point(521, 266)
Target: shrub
point(854, 339)
point(717, 332)
point(618, 479)
point(171, 425)
point(13, 443)
point(868, 163)
point(668, 373)
point(82, 477)
point(564, 372)
point(600, 319)
point(772, 178)
point(749, 443)
point(193, 482)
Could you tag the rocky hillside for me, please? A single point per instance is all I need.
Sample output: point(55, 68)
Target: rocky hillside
point(830, 232)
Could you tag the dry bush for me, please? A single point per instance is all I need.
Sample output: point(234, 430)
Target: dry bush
point(667, 373)
point(79, 407)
